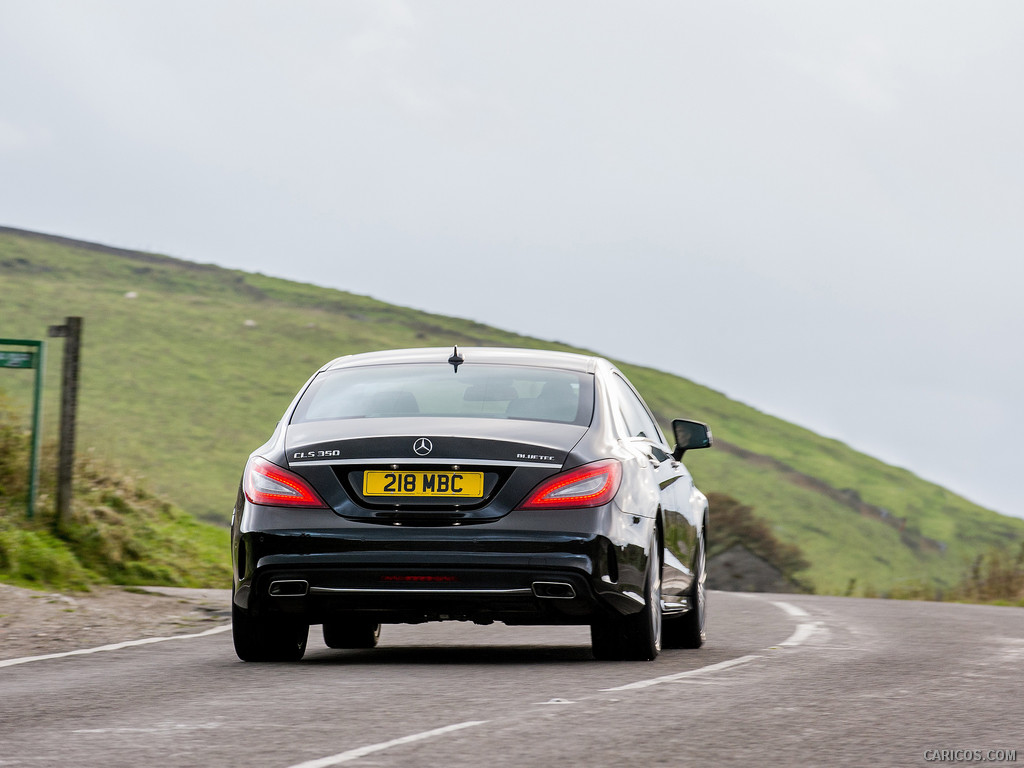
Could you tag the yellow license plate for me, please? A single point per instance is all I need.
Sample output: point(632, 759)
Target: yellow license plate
point(448, 484)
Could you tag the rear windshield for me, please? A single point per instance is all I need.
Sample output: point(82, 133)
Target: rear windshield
point(478, 391)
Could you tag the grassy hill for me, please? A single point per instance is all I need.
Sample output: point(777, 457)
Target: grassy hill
point(187, 367)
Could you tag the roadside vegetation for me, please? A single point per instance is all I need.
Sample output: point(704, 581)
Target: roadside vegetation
point(736, 525)
point(118, 532)
point(187, 367)
point(996, 577)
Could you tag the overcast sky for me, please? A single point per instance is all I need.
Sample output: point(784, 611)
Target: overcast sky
point(815, 208)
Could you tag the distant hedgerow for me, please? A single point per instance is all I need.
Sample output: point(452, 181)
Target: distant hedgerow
point(733, 523)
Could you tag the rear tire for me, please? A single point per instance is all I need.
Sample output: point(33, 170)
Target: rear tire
point(267, 640)
point(636, 637)
point(351, 634)
point(688, 631)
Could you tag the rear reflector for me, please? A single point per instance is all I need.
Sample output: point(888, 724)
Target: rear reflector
point(588, 486)
point(270, 485)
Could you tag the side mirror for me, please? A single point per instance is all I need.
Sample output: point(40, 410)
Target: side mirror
point(689, 435)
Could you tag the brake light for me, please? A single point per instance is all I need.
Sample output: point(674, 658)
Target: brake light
point(588, 486)
point(270, 485)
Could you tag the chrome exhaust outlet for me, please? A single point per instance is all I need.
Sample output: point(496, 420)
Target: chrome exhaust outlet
point(554, 590)
point(289, 588)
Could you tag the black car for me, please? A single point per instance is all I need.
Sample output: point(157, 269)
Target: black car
point(513, 485)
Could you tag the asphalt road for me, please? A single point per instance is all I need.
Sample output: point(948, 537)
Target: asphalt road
point(784, 681)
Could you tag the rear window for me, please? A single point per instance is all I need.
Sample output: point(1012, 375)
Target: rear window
point(478, 391)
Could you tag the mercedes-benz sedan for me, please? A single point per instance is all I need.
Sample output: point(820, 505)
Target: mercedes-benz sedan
point(512, 485)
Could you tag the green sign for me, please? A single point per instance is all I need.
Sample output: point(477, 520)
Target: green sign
point(17, 359)
point(31, 359)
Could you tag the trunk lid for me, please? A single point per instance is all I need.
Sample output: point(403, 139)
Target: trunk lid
point(427, 471)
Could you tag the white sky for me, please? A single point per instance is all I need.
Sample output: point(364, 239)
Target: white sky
point(816, 208)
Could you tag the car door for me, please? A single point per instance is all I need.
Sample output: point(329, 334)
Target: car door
point(674, 485)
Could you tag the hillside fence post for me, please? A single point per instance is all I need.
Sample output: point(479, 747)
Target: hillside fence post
point(72, 332)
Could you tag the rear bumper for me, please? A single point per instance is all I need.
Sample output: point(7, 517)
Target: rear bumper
point(535, 578)
point(514, 597)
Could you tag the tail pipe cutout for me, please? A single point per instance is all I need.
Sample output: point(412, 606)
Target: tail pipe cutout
point(554, 590)
point(289, 588)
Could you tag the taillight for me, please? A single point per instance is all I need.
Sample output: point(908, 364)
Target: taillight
point(588, 486)
point(270, 485)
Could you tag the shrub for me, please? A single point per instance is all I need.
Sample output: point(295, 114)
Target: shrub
point(733, 523)
point(995, 577)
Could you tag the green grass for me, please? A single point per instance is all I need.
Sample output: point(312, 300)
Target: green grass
point(117, 533)
point(177, 389)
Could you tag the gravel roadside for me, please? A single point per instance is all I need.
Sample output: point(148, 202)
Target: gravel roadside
point(35, 623)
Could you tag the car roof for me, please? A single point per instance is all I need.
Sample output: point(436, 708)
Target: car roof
point(542, 358)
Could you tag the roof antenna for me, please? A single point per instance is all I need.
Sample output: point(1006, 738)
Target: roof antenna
point(456, 359)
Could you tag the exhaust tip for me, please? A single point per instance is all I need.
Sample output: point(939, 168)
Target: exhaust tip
point(554, 590)
point(289, 588)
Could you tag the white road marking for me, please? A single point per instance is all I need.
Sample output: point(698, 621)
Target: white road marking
point(803, 630)
point(111, 647)
point(355, 754)
point(162, 728)
point(792, 610)
point(680, 675)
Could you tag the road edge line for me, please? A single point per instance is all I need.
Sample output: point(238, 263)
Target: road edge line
point(112, 647)
point(680, 675)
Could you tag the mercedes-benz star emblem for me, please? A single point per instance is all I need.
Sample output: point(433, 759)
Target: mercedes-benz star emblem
point(422, 447)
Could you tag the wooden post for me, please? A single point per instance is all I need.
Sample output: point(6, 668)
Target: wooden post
point(72, 332)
